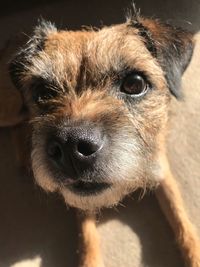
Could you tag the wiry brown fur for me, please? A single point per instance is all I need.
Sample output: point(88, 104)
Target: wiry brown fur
point(83, 71)
point(86, 93)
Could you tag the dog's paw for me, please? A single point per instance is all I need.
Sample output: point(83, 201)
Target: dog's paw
point(97, 264)
point(195, 260)
point(192, 252)
point(93, 263)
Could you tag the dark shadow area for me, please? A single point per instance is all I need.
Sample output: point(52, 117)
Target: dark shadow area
point(10, 7)
point(22, 16)
point(73, 14)
point(32, 223)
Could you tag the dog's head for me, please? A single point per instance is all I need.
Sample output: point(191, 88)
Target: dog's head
point(98, 104)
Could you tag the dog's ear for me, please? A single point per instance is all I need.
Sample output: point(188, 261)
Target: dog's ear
point(12, 109)
point(172, 46)
point(12, 105)
point(19, 66)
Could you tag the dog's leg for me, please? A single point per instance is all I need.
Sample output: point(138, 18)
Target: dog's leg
point(90, 243)
point(171, 202)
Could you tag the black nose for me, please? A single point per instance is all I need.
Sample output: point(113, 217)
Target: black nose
point(77, 151)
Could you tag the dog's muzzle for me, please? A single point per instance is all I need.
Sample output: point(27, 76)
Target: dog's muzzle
point(75, 153)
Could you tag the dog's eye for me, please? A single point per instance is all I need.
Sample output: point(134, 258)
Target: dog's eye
point(42, 92)
point(134, 84)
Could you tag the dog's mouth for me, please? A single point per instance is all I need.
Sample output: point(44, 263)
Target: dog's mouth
point(88, 188)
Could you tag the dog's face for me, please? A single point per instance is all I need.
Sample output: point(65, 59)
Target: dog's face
point(98, 105)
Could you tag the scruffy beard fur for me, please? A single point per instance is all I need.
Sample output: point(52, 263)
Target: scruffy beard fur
point(122, 184)
point(72, 78)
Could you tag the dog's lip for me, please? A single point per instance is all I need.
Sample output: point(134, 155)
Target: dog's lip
point(84, 188)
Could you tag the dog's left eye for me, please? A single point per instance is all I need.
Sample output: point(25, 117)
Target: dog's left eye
point(134, 84)
point(41, 93)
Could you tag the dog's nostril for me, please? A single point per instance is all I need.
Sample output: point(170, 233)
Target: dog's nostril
point(87, 148)
point(54, 150)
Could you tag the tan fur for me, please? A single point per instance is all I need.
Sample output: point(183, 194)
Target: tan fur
point(90, 243)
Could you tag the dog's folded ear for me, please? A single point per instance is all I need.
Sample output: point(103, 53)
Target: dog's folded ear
point(172, 46)
point(12, 110)
point(23, 58)
point(14, 57)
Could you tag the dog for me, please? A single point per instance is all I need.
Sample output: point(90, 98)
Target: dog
point(97, 106)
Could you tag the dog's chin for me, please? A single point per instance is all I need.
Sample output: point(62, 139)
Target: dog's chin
point(83, 195)
point(84, 188)
point(93, 196)
point(86, 195)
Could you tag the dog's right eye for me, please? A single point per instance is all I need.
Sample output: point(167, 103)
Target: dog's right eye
point(42, 92)
point(135, 85)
